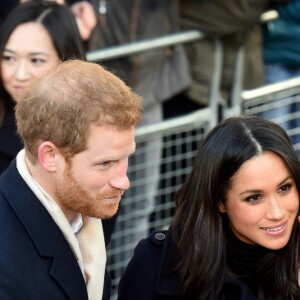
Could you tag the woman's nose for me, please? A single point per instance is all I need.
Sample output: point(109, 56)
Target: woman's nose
point(22, 71)
point(275, 210)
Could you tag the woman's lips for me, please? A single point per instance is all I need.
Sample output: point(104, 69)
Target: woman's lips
point(275, 230)
point(19, 88)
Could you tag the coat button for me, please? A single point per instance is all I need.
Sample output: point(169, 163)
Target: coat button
point(160, 236)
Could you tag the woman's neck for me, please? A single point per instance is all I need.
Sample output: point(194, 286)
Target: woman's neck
point(244, 260)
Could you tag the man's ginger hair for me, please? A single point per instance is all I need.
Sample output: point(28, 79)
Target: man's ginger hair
point(60, 106)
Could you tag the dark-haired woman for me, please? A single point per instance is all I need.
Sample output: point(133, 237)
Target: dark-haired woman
point(235, 234)
point(34, 38)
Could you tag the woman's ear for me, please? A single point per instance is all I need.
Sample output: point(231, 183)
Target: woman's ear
point(222, 208)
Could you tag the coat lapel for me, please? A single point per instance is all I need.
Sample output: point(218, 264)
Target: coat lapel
point(68, 275)
point(44, 233)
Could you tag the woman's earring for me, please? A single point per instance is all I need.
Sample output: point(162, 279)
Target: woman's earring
point(222, 208)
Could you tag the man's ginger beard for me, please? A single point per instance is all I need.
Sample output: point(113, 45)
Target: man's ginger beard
point(72, 196)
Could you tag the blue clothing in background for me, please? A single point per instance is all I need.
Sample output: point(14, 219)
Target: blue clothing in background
point(282, 36)
point(281, 48)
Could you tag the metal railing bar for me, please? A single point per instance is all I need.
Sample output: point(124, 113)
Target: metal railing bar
point(144, 45)
point(271, 88)
point(198, 117)
point(159, 42)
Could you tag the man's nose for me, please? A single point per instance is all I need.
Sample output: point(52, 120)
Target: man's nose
point(120, 179)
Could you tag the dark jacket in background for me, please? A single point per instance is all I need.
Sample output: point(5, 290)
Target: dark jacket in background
point(157, 75)
point(10, 143)
point(5, 8)
point(234, 23)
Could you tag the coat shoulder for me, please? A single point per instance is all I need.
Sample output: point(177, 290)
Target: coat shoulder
point(141, 276)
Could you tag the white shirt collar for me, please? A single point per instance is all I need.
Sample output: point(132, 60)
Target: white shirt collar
point(76, 223)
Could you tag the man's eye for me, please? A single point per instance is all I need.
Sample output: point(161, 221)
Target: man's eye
point(106, 164)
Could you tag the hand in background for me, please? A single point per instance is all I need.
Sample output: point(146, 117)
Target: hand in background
point(85, 18)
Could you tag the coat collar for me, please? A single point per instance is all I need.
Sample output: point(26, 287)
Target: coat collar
point(44, 233)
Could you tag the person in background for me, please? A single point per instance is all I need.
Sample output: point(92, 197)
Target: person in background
point(34, 38)
point(235, 233)
point(235, 25)
point(83, 11)
point(78, 133)
point(85, 17)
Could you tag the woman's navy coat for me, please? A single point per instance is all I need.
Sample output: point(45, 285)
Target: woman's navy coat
point(148, 275)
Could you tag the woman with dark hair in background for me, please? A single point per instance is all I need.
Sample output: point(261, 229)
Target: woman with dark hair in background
point(34, 38)
point(83, 11)
point(235, 233)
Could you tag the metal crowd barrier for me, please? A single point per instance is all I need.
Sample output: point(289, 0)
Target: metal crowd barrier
point(175, 143)
point(180, 138)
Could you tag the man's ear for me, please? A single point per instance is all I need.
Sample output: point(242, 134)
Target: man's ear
point(222, 208)
point(48, 156)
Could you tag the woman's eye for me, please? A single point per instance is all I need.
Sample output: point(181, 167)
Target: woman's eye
point(7, 58)
point(37, 60)
point(253, 199)
point(285, 188)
